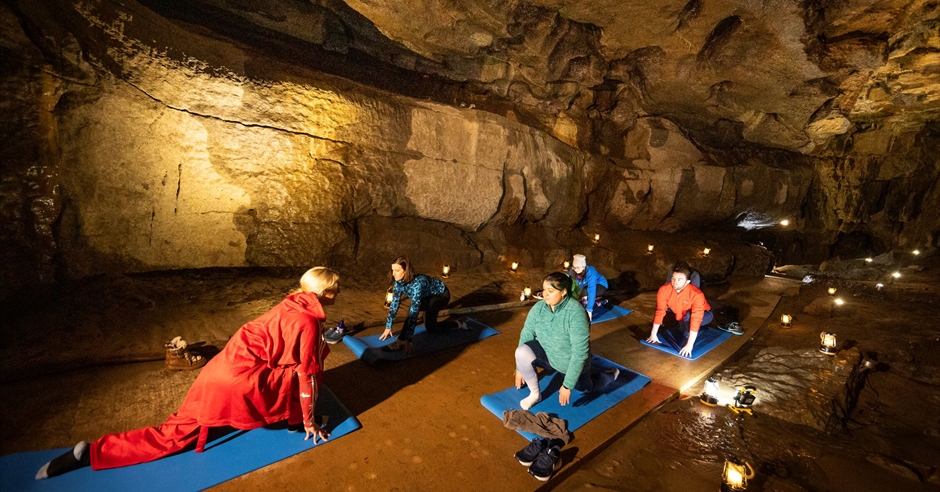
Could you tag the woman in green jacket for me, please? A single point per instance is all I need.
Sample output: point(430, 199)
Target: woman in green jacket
point(556, 336)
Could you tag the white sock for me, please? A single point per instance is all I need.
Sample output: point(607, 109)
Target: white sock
point(533, 398)
point(43, 472)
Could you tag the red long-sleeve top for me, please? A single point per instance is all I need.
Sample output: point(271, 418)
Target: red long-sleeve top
point(690, 299)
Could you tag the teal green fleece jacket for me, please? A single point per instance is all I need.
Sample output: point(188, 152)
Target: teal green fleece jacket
point(564, 334)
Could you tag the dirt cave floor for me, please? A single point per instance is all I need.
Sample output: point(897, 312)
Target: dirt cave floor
point(87, 360)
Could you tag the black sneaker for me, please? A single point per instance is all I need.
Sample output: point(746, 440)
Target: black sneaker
point(528, 454)
point(334, 335)
point(546, 463)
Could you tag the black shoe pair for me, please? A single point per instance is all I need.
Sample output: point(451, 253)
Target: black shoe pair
point(542, 457)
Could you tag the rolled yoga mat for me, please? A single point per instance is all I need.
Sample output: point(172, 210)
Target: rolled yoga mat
point(225, 458)
point(674, 339)
point(582, 407)
point(370, 350)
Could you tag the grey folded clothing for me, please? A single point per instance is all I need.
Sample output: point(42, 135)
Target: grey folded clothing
point(540, 424)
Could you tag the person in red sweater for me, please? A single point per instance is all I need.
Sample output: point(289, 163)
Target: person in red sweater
point(270, 371)
point(686, 301)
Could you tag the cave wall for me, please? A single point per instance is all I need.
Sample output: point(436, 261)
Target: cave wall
point(139, 141)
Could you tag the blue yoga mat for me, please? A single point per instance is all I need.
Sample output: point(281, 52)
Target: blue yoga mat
point(608, 312)
point(370, 350)
point(582, 408)
point(225, 458)
point(674, 339)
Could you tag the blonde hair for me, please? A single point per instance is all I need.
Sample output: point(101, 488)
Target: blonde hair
point(318, 280)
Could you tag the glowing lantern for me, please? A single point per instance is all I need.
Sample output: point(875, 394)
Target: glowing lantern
point(597, 238)
point(743, 399)
point(784, 222)
point(705, 252)
point(869, 260)
point(514, 266)
point(710, 394)
point(916, 252)
point(896, 274)
point(735, 475)
point(786, 320)
point(527, 292)
point(446, 271)
point(838, 302)
point(832, 291)
point(567, 264)
point(649, 249)
point(388, 298)
point(522, 296)
point(827, 343)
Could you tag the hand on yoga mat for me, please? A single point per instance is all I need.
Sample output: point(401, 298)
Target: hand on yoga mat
point(315, 431)
point(520, 381)
point(386, 334)
point(564, 395)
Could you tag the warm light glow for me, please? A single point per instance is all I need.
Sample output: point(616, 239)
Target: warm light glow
point(735, 475)
point(832, 291)
point(388, 298)
point(785, 222)
point(522, 296)
point(706, 251)
point(514, 266)
point(827, 343)
point(649, 249)
point(869, 260)
point(446, 271)
point(567, 265)
point(734, 478)
point(879, 286)
point(916, 252)
point(527, 292)
point(710, 393)
point(597, 237)
point(786, 320)
point(839, 302)
point(896, 274)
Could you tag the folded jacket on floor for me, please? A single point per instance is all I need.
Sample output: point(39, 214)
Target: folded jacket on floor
point(540, 424)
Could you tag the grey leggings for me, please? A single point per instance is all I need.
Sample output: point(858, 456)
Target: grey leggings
point(531, 355)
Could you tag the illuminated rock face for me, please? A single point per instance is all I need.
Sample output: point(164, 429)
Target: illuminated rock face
point(220, 135)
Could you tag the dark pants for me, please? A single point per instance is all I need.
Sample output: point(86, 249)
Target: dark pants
point(431, 305)
point(590, 379)
point(685, 324)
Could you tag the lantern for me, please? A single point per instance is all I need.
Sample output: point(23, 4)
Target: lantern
point(527, 292)
point(827, 343)
point(567, 265)
point(597, 238)
point(916, 252)
point(649, 249)
point(785, 222)
point(710, 394)
point(735, 475)
point(838, 301)
point(705, 252)
point(388, 298)
point(869, 260)
point(514, 266)
point(522, 296)
point(743, 399)
point(786, 320)
point(896, 274)
point(446, 271)
point(832, 291)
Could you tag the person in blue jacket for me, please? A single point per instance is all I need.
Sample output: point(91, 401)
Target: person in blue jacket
point(591, 285)
point(427, 294)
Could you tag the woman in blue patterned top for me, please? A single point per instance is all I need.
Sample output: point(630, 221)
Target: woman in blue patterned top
point(426, 293)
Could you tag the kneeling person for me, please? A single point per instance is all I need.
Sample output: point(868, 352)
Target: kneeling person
point(556, 336)
point(686, 301)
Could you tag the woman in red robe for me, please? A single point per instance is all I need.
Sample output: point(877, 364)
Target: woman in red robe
point(270, 371)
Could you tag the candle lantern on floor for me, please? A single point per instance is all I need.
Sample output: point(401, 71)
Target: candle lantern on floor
point(735, 475)
point(388, 298)
point(567, 265)
point(446, 271)
point(597, 238)
point(916, 252)
point(527, 292)
point(706, 252)
point(827, 343)
point(785, 222)
point(869, 260)
point(832, 291)
point(896, 275)
point(710, 394)
point(786, 320)
point(514, 266)
point(743, 399)
point(649, 249)
point(522, 296)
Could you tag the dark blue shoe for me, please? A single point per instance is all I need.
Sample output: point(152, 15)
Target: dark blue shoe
point(528, 454)
point(334, 335)
point(546, 463)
